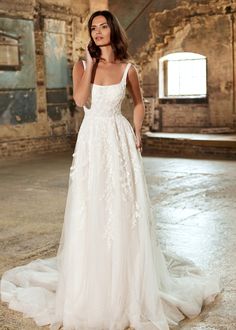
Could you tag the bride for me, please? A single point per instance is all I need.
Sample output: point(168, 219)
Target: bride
point(109, 272)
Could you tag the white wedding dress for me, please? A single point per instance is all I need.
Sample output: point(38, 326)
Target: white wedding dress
point(109, 272)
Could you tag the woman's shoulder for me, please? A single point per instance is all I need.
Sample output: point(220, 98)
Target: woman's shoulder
point(80, 62)
point(133, 73)
point(78, 67)
point(132, 67)
point(130, 64)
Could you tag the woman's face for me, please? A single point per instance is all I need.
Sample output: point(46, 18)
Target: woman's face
point(100, 31)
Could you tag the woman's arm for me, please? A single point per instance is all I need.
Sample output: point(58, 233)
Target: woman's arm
point(81, 82)
point(139, 110)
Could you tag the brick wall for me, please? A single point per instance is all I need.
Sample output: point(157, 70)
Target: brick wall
point(176, 147)
point(203, 28)
point(40, 145)
point(45, 120)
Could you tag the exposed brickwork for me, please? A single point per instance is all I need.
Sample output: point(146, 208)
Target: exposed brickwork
point(44, 135)
point(176, 147)
point(40, 145)
point(206, 28)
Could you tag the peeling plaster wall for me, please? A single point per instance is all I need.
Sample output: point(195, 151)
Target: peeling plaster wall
point(17, 88)
point(78, 7)
point(156, 28)
point(38, 107)
point(56, 35)
point(211, 37)
point(98, 5)
point(207, 28)
point(234, 67)
point(55, 53)
point(56, 68)
point(24, 30)
point(135, 18)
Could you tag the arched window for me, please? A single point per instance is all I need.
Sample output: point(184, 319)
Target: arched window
point(9, 52)
point(183, 75)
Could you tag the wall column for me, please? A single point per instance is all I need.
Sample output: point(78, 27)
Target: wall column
point(40, 67)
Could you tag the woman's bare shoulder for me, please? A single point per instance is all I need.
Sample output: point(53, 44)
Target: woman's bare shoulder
point(133, 78)
point(79, 65)
point(133, 71)
point(80, 62)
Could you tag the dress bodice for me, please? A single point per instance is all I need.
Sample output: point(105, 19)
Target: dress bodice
point(106, 100)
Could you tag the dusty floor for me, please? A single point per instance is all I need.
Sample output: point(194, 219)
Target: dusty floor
point(195, 206)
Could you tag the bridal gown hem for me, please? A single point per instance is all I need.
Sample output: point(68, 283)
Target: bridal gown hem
point(109, 272)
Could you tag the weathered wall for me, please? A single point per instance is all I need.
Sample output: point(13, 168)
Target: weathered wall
point(18, 95)
point(135, 18)
point(209, 36)
point(234, 66)
point(36, 101)
point(206, 28)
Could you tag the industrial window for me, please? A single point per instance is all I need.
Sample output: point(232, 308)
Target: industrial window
point(9, 53)
point(183, 75)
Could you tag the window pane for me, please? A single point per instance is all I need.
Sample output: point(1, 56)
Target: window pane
point(173, 77)
point(186, 76)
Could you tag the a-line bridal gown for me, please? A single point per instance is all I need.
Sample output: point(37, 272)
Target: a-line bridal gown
point(109, 272)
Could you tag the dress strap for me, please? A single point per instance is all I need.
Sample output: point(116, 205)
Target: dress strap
point(126, 72)
point(84, 63)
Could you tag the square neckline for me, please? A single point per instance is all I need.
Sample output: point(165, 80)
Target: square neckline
point(107, 85)
point(111, 84)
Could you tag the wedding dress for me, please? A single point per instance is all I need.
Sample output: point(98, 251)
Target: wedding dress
point(109, 272)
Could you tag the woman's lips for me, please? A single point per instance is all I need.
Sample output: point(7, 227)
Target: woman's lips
point(99, 38)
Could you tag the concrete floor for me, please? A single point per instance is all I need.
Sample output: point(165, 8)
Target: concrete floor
point(195, 206)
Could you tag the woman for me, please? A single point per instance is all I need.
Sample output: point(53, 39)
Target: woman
point(109, 273)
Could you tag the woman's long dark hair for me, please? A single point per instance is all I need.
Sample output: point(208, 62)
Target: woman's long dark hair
point(119, 40)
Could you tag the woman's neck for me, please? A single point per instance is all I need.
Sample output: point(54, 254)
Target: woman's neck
point(107, 55)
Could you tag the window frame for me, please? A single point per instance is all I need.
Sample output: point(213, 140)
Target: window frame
point(163, 82)
point(9, 67)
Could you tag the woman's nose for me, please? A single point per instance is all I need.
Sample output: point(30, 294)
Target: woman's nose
point(98, 29)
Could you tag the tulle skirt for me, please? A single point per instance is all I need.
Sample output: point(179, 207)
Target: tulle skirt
point(109, 272)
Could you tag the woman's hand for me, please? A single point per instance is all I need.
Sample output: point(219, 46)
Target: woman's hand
point(89, 59)
point(138, 141)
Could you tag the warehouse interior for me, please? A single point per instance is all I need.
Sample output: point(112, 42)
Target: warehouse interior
point(185, 54)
